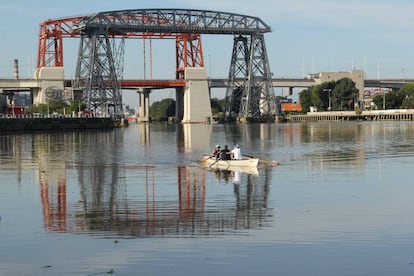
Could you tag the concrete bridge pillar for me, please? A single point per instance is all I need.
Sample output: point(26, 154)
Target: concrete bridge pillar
point(179, 104)
point(143, 108)
point(197, 107)
point(52, 84)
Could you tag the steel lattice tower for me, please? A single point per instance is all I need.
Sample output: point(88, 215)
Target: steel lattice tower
point(250, 93)
point(237, 76)
point(98, 71)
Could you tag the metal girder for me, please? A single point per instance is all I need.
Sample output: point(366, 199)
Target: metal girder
point(173, 21)
point(50, 47)
point(189, 53)
point(250, 92)
point(97, 75)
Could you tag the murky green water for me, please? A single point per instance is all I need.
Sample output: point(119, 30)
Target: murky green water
point(137, 201)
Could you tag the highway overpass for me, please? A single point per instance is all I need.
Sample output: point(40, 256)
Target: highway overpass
point(10, 85)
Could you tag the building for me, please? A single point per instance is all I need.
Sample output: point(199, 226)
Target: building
point(357, 76)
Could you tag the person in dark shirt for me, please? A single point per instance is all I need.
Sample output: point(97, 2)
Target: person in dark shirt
point(225, 153)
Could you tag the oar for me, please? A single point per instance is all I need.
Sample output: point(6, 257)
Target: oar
point(204, 159)
point(213, 163)
point(270, 162)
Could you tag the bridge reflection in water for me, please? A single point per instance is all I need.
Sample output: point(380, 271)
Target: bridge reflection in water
point(104, 208)
point(99, 195)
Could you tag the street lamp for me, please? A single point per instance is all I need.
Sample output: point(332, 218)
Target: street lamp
point(329, 97)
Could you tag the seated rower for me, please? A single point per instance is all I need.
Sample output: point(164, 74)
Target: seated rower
point(225, 153)
point(236, 153)
point(216, 152)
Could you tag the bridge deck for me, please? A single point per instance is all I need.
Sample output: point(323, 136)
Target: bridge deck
point(152, 83)
point(27, 84)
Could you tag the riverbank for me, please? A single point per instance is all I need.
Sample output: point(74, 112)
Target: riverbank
point(373, 115)
point(57, 123)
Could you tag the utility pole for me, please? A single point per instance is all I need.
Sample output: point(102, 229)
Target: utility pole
point(329, 98)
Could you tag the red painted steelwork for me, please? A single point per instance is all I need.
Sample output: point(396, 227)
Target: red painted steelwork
point(189, 53)
point(144, 83)
point(50, 48)
point(52, 32)
point(152, 83)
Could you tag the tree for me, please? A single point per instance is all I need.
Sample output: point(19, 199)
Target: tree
point(305, 99)
point(344, 95)
point(316, 97)
point(217, 106)
point(58, 106)
point(408, 102)
point(326, 94)
point(76, 106)
point(392, 100)
point(406, 94)
point(160, 111)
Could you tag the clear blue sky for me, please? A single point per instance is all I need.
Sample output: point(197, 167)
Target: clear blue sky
point(307, 36)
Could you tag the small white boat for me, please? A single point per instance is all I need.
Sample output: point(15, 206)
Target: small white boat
point(243, 163)
point(235, 169)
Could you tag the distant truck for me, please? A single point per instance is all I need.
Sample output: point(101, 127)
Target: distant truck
point(291, 107)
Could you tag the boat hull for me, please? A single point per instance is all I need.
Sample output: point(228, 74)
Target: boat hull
point(235, 169)
point(243, 163)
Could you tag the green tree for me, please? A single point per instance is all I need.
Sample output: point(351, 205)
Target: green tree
point(316, 97)
point(59, 106)
point(326, 94)
point(378, 100)
point(161, 110)
point(406, 95)
point(76, 106)
point(392, 100)
point(344, 95)
point(217, 106)
point(305, 99)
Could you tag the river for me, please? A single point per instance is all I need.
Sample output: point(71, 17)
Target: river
point(137, 201)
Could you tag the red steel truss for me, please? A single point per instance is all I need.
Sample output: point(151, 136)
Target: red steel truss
point(189, 51)
point(50, 48)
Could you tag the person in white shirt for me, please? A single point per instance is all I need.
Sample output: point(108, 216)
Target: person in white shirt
point(236, 153)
